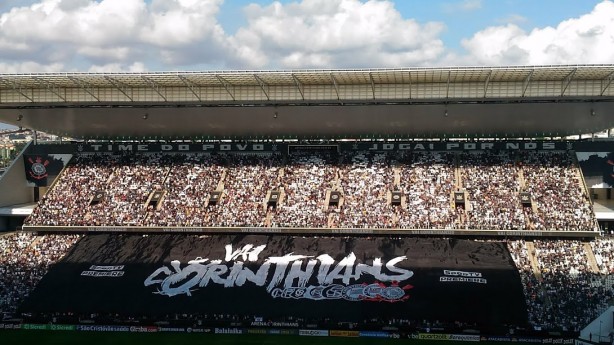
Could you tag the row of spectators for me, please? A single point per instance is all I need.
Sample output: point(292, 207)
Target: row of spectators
point(564, 293)
point(24, 260)
point(491, 181)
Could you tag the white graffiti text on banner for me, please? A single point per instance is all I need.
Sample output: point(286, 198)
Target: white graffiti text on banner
point(287, 276)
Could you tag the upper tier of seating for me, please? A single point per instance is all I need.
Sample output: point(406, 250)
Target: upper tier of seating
point(322, 190)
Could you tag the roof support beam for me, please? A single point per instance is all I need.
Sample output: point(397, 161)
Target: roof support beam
point(486, 83)
point(152, 84)
point(226, 86)
point(372, 84)
point(54, 89)
point(565, 82)
point(263, 86)
point(190, 86)
point(409, 81)
point(85, 86)
point(527, 82)
point(332, 78)
point(299, 86)
point(17, 88)
point(119, 86)
point(607, 81)
point(448, 85)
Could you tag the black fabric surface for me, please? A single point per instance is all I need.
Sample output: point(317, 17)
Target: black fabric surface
point(499, 300)
point(599, 170)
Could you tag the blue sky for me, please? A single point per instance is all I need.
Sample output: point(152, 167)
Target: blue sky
point(155, 35)
point(462, 18)
point(463, 23)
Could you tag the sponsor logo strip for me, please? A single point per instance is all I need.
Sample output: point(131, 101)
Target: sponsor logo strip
point(339, 333)
point(313, 332)
point(374, 334)
point(433, 336)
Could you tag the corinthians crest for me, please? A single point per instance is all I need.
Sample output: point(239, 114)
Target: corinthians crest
point(38, 168)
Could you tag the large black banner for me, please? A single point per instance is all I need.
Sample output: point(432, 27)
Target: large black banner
point(344, 279)
point(341, 146)
point(290, 148)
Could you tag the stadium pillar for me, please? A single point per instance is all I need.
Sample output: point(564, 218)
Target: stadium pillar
point(35, 138)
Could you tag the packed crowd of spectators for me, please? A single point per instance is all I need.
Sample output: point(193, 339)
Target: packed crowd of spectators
point(533, 292)
point(134, 178)
point(124, 181)
point(553, 181)
point(306, 180)
point(68, 202)
point(604, 255)
point(569, 294)
point(187, 191)
point(24, 260)
point(427, 180)
point(492, 183)
point(248, 179)
point(493, 187)
point(365, 180)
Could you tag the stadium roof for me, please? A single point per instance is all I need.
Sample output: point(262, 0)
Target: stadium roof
point(310, 85)
point(263, 104)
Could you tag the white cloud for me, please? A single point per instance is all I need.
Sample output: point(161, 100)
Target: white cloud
point(29, 67)
point(86, 33)
point(117, 67)
point(334, 33)
point(139, 35)
point(586, 39)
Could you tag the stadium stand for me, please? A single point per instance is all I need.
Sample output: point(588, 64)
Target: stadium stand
point(24, 260)
point(562, 292)
point(491, 182)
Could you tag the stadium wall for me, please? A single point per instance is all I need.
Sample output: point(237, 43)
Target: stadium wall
point(13, 183)
point(312, 231)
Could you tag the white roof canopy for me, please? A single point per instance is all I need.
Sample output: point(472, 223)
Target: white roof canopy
point(451, 83)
